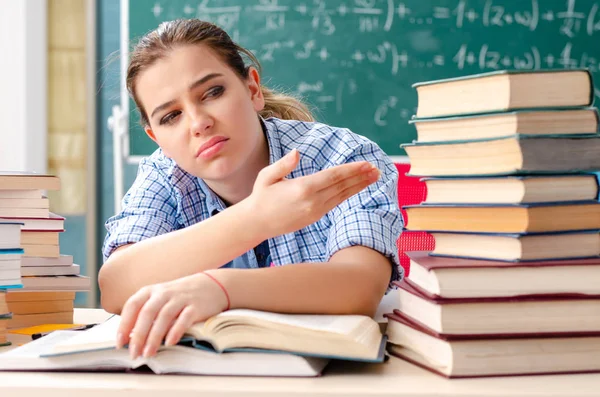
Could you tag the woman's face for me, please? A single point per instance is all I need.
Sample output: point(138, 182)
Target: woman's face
point(200, 112)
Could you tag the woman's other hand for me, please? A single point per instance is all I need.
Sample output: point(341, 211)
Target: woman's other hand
point(285, 205)
point(165, 311)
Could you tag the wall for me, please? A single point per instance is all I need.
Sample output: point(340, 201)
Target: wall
point(23, 40)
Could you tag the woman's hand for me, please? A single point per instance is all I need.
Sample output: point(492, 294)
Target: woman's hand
point(165, 311)
point(285, 205)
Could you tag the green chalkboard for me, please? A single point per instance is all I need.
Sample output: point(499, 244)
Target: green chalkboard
point(355, 61)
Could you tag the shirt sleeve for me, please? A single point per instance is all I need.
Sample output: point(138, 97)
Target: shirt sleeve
point(371, 218)
point(149, 209)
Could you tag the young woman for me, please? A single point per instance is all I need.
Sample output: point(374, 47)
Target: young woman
point(248, 203)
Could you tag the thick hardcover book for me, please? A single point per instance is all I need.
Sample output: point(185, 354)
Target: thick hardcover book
point(458, 356)
point(514, 89)
point(504, 218)
point(498, 124)
point(509, 155)
point(532, 314)
point(512, 189)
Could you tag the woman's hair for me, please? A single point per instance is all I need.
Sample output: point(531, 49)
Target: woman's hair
point(157, 44)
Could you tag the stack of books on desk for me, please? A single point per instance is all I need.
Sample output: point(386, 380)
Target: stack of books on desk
point(42, 267)
point(513, 284)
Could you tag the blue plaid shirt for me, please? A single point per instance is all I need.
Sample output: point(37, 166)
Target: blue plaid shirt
point(164, 198)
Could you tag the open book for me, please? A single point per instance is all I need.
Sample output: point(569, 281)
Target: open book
point(236, 342)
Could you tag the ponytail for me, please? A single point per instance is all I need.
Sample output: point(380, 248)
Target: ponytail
point(284, 106)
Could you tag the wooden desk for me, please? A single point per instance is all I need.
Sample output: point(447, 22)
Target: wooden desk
point(395, 378)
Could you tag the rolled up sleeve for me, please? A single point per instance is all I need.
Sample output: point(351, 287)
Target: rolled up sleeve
point(149, 209)
point(372, 217)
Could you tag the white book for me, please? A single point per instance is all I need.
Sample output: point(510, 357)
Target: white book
point(11, 283)
point(72, 270)
point(10, 274)
point(175, 359)
point(10, 234)
point(10, 264)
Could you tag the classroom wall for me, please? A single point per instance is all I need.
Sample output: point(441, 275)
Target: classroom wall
point(67, 100)
point(68, 124)
point(23, 39)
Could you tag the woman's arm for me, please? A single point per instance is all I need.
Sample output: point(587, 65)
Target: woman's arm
point(276, 206)
point(352, 282)
point(205, 245)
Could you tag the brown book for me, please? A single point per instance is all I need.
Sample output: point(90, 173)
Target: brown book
point(474, 278)
point(495, 125)
point(56, 283)
point(534, 314)
point(511, 189)
point(40, 307)
point(518, 247)
point(514, 154)
point(28, 180)
point(460, 356)
point(40, 238)
point(61, 261)
point(37, 296)
point(72, 270)
point(488, 218)
point(24, 203)
point(24, 212)
point(511, 90)
point(21, 194)
point(30, 320)
point(41, 250)
point(4, 317)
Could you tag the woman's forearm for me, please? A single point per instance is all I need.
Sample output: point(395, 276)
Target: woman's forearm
point(207, 245)
point(330, 288)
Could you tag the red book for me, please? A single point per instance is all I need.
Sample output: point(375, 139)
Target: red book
point(54, 223)
point(475, 278)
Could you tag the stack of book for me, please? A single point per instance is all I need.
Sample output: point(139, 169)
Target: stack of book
point(513, 283)
point(10, 270)
point(41, 268)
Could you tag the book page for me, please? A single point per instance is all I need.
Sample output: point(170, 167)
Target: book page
point(102, 336)
point(40, 346)
point(339, 324)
